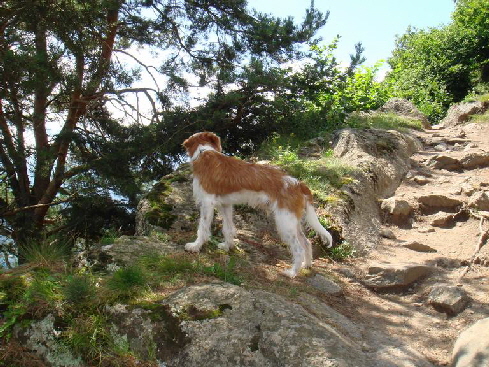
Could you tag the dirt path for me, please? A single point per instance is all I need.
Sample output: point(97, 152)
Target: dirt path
point(407, 315)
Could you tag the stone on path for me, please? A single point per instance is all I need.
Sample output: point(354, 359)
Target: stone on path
point(419, 247)
point(449, 299)
point(385, 276)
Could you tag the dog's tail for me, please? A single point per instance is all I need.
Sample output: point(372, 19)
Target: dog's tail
point(313, 220)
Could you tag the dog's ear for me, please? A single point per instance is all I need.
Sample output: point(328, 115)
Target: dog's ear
point(215, 141)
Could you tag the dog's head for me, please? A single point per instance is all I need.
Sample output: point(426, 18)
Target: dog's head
point(204, 138)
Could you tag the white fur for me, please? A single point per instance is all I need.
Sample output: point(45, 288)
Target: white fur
point(288, 226)
point(200, 149)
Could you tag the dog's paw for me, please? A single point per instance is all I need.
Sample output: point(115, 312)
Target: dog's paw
point(192, 247)
point(289, 273)
point(223, 246)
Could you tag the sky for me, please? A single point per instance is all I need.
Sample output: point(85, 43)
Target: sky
point(374, 23)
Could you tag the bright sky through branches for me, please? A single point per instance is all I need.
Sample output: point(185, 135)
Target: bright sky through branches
point(374, 23)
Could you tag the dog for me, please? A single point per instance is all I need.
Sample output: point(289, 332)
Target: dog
point(222, 181)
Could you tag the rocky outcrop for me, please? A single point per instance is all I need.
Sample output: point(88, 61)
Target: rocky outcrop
point(403, 107)
point(125, 250)
point(382, 159)
point(461, 112)
point(169, 206)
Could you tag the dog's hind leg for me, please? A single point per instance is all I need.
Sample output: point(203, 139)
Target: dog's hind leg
point(306, 244)
point(204, 231)
point(228, 228)
point(287, 225)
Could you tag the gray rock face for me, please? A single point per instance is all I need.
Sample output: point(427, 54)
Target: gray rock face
point(42, 337)
point(256, 328)
point(472, 346)
point(460, 112)
point(449, 299)
point(325, 285)
point(395, 276)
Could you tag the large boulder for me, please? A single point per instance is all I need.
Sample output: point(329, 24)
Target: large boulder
point(460, 112)
point(383, 159)
point(472, 346)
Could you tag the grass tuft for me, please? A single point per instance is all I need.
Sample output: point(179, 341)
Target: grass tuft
point(386, 121)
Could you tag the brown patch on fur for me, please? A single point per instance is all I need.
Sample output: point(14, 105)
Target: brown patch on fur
point(219, 174)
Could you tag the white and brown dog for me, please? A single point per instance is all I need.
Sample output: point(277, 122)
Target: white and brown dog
point(222, 181)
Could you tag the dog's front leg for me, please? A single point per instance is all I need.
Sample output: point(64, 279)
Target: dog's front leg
point(204, 231)
point(228, 228)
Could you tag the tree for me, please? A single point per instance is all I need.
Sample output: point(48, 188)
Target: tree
point(60, 66)
point(438, 66)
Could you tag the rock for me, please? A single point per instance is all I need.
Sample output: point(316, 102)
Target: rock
point(426, 230)
point(448, 299)
point(473, 160)
point(460, 112)
point(126, 250)
point(151, 331)
point(394, 276)
point(441, 147)
point(396, 207)
point(419, 247)
point(313, 148)
point(397, 210)
point(421, 180)
point(169, 205)
point(387, 233)
point(256, 328)
point(468, 189)
point(442, 161)
point(42, 337)
point(439, 201)
point(381, 159)
point(479, 201)
point(442, 220)
point(325, 285)
point(403, 107)
point(472, 346)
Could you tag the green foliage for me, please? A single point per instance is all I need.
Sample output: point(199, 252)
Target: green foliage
point(438, 66)
point(324, 176)
point(224, 272)
point(89, 336)
point(341, 252)
point(48, 252)
point(79, 289)
point(126, 281)
point(387, 121)
point(70, 62)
